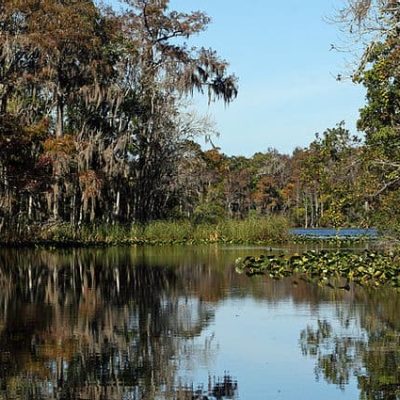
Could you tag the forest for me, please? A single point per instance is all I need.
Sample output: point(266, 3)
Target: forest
point(94, 127)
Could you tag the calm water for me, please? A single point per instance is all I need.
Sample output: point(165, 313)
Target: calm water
point(179, 323)
point(329, 232)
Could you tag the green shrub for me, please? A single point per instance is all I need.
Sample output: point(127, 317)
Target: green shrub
point(208, 213)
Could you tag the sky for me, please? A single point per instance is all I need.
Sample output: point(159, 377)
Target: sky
point(281, 53)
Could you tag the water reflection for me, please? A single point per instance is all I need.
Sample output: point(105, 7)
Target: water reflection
point(127, 324)
point(96, 325)
point(225, 388)
point(365, 345)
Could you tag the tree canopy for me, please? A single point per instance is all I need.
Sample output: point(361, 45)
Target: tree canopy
point(91, 126)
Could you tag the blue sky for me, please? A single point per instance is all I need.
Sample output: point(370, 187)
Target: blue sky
point(280, 50)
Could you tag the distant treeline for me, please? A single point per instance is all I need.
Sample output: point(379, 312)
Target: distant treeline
point(332, 182)
point(93, 128)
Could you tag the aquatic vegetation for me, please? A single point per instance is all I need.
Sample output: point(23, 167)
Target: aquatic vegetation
point(274, 229)
point(335, 240)
point(335, 269)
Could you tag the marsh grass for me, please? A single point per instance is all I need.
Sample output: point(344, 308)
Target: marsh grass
point(164, 231)
point(256, 229)
point(252, 230)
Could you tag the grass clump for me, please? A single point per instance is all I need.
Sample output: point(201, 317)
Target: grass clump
point(264, 229)
point(167, 231)
point(252, 230)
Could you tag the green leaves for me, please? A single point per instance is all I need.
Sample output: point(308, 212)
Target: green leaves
point(367, 269)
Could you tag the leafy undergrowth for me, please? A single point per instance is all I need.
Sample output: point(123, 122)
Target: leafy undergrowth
point(327, 268)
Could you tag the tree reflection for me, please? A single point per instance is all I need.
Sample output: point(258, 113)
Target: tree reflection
point(366, 346)
point(224, 388)
point(95, 325)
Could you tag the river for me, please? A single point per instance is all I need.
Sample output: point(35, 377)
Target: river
point(180, 323)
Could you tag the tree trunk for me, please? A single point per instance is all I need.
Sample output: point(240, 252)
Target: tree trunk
point(305, 213)
point(316, 209)
point(30, 206)
point(60, 117)
point(117, 204)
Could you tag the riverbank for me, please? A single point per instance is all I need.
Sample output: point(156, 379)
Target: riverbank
point(253, 230)
point(258, 231)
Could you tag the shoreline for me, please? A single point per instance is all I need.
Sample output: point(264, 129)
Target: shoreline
point(128, 242)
